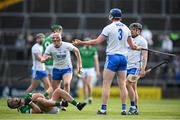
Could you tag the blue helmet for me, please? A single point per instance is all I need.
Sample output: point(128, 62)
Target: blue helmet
point(115, 13)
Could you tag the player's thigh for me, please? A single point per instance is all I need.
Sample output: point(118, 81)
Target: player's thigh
point(57, 94)
point(90, 75)
point(56, 84)
point(121, 76)
point(89, 79)
point(67, 78)
point(108, 76)
point(35, 82)
point(46, 82)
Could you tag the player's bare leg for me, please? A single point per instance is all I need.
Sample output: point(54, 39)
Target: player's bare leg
point(67, 83)
point(130, 90)
point(87, 89)
point(131, 86)
point(122, 84)
point(34, 84)
point(62, 94)
point(90, 78)
point(56, 84)
point(136, 97)
point(108, 76)
point(47, 87)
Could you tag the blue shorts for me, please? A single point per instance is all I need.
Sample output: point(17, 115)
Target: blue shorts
point(57, 74)
point(133, 71)
point(116, 62)
point(38, 75)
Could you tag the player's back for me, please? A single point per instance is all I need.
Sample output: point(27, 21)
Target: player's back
point(117, 34)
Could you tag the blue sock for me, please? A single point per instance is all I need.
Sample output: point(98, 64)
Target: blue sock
point(123, 107)
point(132, 103)
point(103, 107)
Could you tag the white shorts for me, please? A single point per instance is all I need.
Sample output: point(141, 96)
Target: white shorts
point(49, 69)
point(54, 110)
point(88, 72)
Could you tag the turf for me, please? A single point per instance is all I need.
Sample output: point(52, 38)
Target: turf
point(149, 109)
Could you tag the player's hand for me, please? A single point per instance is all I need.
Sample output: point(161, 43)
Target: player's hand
point(138, 47)
point(98, 74)
point(43, 59)
point(77, 42)
point(79, 72)
point(142, 73)
point(27, 101)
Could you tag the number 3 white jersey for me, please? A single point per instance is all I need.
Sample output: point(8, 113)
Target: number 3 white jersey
point(61, 56)
point(134, 56)
point(117, 35)
point(37, 65)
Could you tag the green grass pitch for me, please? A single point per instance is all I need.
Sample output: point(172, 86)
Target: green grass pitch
point(149, 110)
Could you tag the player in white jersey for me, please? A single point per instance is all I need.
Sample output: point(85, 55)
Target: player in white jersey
point(59, 51)
point(118, 36)
point(137, 61)
point(38, 68)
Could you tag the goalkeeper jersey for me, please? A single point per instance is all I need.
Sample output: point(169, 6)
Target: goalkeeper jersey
point(46, 43)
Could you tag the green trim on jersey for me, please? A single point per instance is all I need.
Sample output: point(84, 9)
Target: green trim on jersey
point(27, 96)
point(26, 108)
point(87, 56)
point(46, 43)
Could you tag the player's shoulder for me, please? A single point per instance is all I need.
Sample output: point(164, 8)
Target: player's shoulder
point(50, 46)
point(35, 46)
point(142, 38)
point(67, 43)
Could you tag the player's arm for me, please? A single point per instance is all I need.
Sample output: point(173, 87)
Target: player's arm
point(46, 55)
point(132, 44)
point(96, 61)
point(79, 61)
point(96, 41)
point(35, 108)
point(38, 56)
point(144, 63)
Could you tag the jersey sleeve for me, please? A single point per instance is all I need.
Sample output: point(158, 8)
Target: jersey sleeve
point(48, 51)
point(105, 31)
point(70, 46)
point(35, 50)
point(129, 32)
point(144, 44)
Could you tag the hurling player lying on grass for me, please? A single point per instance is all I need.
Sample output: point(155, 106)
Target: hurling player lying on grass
point(38, 103)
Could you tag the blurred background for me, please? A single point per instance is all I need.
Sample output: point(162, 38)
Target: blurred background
point(20, 20)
